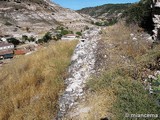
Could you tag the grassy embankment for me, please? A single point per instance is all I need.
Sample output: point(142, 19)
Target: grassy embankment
point(30, 85)
point(119, 90)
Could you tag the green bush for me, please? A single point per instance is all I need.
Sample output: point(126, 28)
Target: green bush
point(31, 39)
point(132, 98)
point(61, 31)
point(156, 86)
point(98, 23)
point(79, 33)
point(24, 38)
point(47, 37)
point(58, 36)
point(141, 14)
point(13, 41)
point(64, 32)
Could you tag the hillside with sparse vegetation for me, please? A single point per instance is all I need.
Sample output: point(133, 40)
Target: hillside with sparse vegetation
point(137, 13)
point(107, 14)
point(109, 9)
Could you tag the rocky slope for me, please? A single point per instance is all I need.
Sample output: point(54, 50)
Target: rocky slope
point(156, 19)
point(36, 16)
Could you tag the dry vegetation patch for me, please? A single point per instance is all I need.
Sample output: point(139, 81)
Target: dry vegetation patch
point(30, 85)
point(118, 89)
point(125, 41)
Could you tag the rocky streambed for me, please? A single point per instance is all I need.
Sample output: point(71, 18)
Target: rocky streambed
point(82, 66)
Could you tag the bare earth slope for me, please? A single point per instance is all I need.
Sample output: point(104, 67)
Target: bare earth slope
point(36, 16)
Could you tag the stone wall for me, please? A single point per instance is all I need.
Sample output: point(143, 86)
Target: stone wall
point(156, 19)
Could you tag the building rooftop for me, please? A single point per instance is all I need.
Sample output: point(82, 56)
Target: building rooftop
point(20, 52)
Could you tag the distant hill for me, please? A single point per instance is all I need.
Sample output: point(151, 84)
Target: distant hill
point(106, 11)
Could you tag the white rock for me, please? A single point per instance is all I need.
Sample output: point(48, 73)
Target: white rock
point(131, 34)
point(82, 67)
point(134, 38)
point(157, 73)
point(152, 77)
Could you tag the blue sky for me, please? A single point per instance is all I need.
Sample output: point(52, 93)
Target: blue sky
point(78, 4)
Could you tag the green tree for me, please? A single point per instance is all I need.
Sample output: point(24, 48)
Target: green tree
point(47, 37)
point(64, 32)
point(98, 23)
point(13, 41)
point(79, 33)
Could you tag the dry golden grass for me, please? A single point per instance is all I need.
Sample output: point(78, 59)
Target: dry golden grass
point(100, 104)
point(30, 85)
point(124, 49)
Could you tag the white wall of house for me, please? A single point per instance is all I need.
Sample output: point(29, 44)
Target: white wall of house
point(71, 36)
point(63, 38)
point(7, 47)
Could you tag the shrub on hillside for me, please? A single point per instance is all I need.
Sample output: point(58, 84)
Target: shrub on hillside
point(79, 33)
point(141, 14)
point(24, 38)
point(31, 39)
point(58, 36)
point(13, 41)
point(64, 32)
point(46, 38)
point(131, 97)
